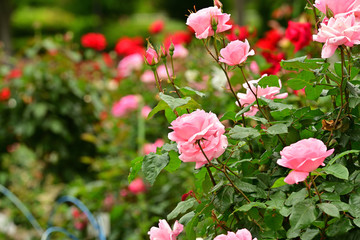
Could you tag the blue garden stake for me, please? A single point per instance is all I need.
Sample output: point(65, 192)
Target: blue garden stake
point(50, 230)
point(22, 208)
point(84, 209)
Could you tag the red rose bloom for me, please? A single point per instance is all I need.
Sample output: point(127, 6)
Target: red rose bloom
point(156, 27)
point(270, 41)
point(15, 73)
point(179, 37)
point(95, 41)
point(299, 34)
point(127, 46)
point(237, 32)
point(274, 60)
point(5, 94)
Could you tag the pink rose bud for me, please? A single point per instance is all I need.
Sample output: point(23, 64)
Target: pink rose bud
point(338, 31)
point(235, 53)
point(202, 20)
point(303, 157)
point(242, 234)
point(151, 56)
point(164, 231)
point(137, 186)
point(198, 127)
point(218, 4)
point(162, 52)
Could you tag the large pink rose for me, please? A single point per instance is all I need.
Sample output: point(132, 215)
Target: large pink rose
point(338, 7)
point(125, 105)
point(130, 63)
point(338, 31)
point(242, 234)
point(236, 52)
point(303, 157)
point(201, 20)
point(198, 126)
point(164, 231)
point(249, 97)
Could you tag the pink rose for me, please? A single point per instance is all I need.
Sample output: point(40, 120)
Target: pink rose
point(151, 147)
point(242, 234)
point(337, 7)
point(303, 157)
point(137, 186)
point(236, 52)
point(151, 56)
point(164, 231)
point(145, 111)
point(148, 77)
point(129, 64)
point(249, 97)
point(201, 20)
point(198, 126)
point(180, 51)
point(125, 105)
point(338, 31)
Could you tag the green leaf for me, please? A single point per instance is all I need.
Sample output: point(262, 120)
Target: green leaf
point(309, 234)
point(273, 219)
point(277, 129)
point(187, 218)
point(269, 81)
point(279, 183)
point(224, 198)
point(247, 207)
point(153, 164)
point(243, 133)
point(174, 162)
point(135, 168)
point(338, 171)
point(174, 102)
point(296, 197)
point(301, 63)
point(190, 91)
point(181, 208)
point(229, 116)
point(170, 147)
point(340, 155)
point(339, 227)
point(276, 105)
point(303, 214)
point(301, 80)
point(245, 109)
point(189, 228)
point(159, 107)
point(329, 209)
point(313, 92)
point(357, 222)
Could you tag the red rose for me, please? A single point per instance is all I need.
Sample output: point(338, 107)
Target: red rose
point(156, 27)
point(95, 41)
point(127, 46)
point(180, 37)
point(5, 94)
point(299, 34)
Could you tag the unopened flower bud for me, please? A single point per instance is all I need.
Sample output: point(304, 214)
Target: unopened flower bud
point(214, 24)
point(171, 49)
point(163, 52)
point(218, 4)
point(151, 56)
point(329, 12)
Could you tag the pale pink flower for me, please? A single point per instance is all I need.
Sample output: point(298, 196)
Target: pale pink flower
point(242, 234)
point(338, 7)
point(145, 111)
point(148, 77)
point(180, 51)
point(254, 67)
point(198, 126)
point(151, 56)
point(125, 105)
point(137, 186)
point(236, 52)
point(164, 231)
point(303, 157)
point(249, 97)
point(129, 64)
point(161, 70)
point(338, 31)
point(201, 20)
point(151, 147)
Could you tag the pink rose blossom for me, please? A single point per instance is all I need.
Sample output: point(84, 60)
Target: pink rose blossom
point(201, 20)
point(338, 31)
point(249, 97)
point(198, 126)
point(137, 186)
point(303, 157)
point(145, 111)
point(151, 147)
point(151, 56)
point(242, 234)
point(148, 77)
point(337, 7)
point(180, 51)
point(125, 105)
point(164, 231)
point(236, 52)
point(254, 67)
point(129, 64)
